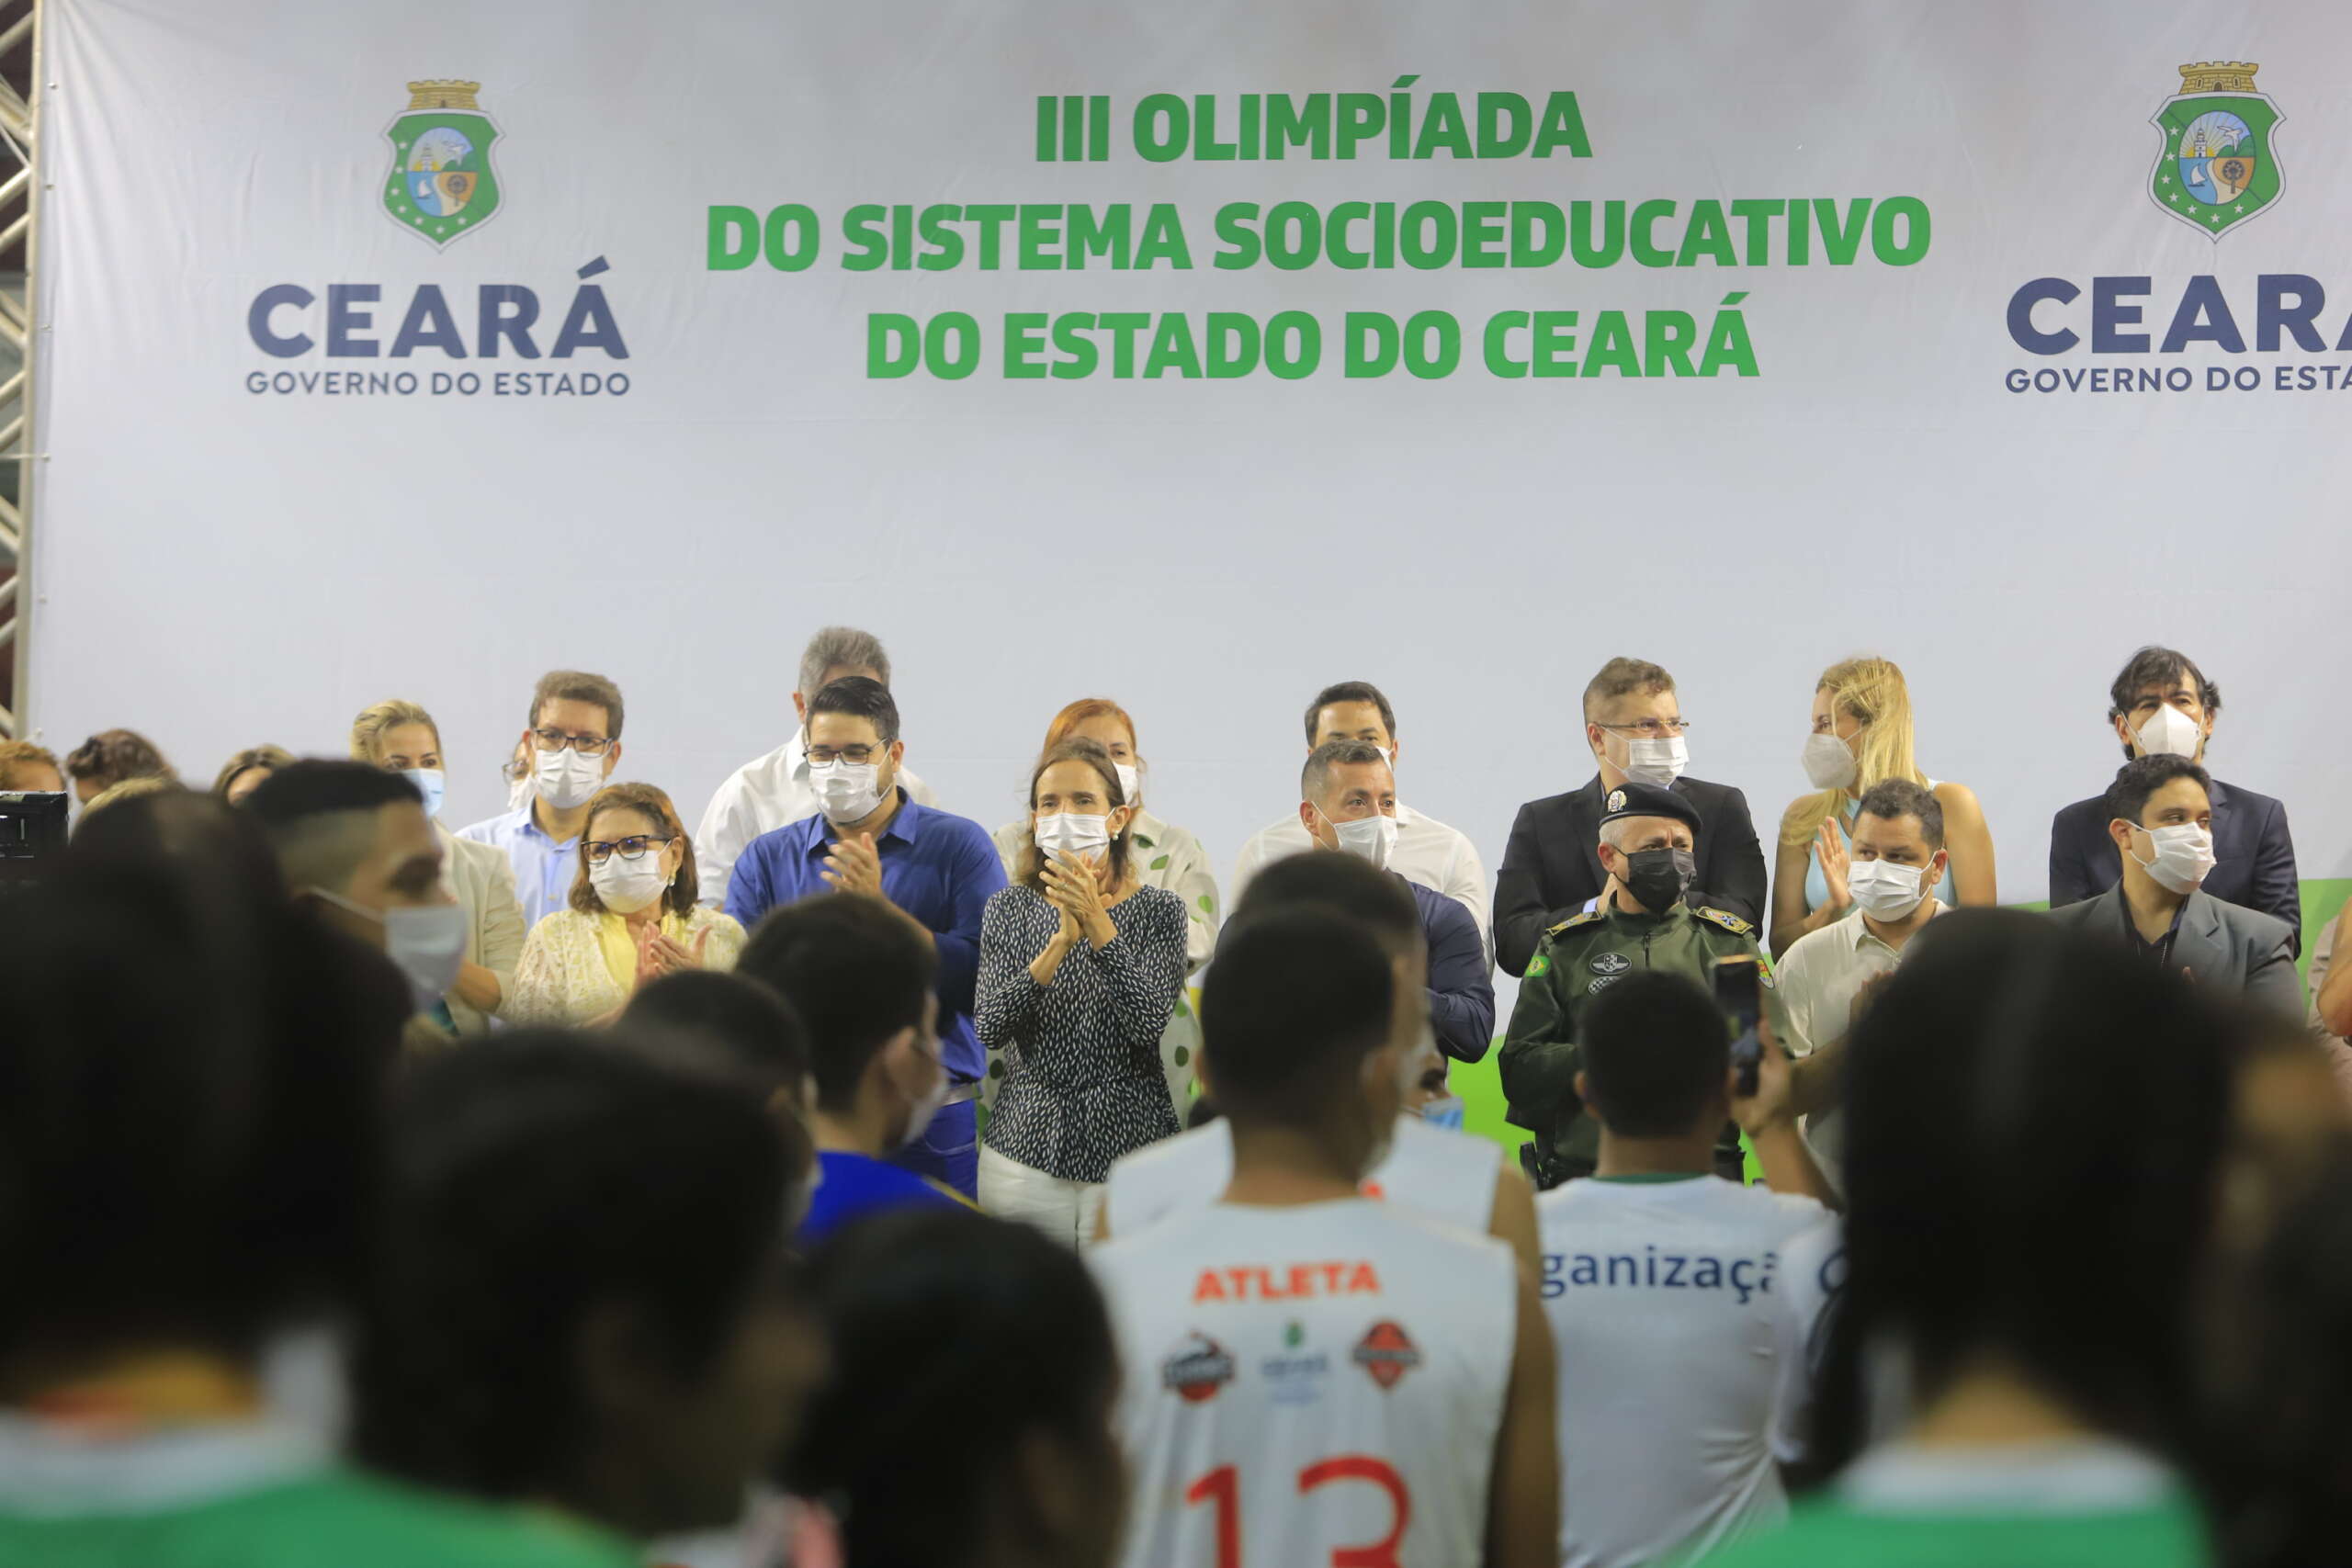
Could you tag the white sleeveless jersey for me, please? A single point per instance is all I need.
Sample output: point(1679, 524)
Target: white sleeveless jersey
point(1440, 1175)
point(1681, 1314)
point(1309, 1385)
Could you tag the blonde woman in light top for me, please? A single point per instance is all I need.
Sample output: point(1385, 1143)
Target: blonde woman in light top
point(632, 916)
point(1861, 735)
point(1163, 855)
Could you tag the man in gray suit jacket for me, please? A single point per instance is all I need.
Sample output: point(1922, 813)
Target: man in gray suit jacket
point(2160, 819)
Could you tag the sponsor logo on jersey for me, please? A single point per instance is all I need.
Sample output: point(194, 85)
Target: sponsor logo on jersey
point(1196, 1368)
point(1295, 1377)
point(1387, 1353)
point(1612, 964)
point(1282, 1283)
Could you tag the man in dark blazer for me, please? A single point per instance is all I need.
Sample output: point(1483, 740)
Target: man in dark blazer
point(2159, 814)
point(1550, 868)
point(2163, 705)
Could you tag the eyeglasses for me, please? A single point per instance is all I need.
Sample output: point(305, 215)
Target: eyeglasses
point(630, 848)
point(823, 756)
point(1653, 728)
point(586, 745)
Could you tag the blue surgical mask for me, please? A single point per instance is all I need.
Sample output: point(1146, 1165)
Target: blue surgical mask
point(429, 783)
point(1445, 1113)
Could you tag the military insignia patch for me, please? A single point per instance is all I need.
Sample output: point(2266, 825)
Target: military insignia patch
point(1612, 964)
point(1616, 801)
point(1538, 966)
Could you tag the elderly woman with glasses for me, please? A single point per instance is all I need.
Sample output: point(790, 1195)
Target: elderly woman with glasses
point(631, 918)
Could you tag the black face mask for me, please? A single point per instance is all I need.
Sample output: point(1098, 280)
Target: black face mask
point(1658, 878)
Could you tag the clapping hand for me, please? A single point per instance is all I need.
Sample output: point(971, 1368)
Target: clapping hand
point(657, 954)
point(1071, 887)
point(853, 865)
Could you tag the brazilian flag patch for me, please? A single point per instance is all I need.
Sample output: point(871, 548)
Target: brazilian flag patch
point(1539, 964)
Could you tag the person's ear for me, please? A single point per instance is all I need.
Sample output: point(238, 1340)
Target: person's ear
point(1584, 1088)
point(897, 750)
point(883, 1064)
point(612, 758)
point(800, 709)
point(1593, 739)
point(2118, 833)
point(2123, 732)
point(1307, 818)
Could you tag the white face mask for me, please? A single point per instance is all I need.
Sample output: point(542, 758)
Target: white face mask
point(428, 944)
point(2169, 733)
point(1886, 891)
point(2184, 856)
point(1370, 838)
point(520, 785)
point(1829, 761)
point(628, 885)
point(846, 792)
point(1069, 833)
point(1654, 760)
point(429, 783)
point(566, 779)
point(1130, 781)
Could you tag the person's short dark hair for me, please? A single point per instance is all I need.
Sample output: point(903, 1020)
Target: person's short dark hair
point(854, 971)
point(16, 755)
point(956, 1338)
point(317, 786)
point(753, 1029)
point(577, 686)
point(533, 1184)
point(2033, 1121)
point(1656, 1048)
point(1344, 885)
point(189, 1093)
point(2141, 777)
point(113, 755)
point(1315, 776)
point(1350, 692)
point(860, 697)
point(1623, 677)
point(1891, 800)
point(1295, 999)
point(2154, 666)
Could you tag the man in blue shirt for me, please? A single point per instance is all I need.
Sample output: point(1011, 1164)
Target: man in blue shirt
point(575, 735)
point(1349, 803)
point(859, 976)
point(937, 870)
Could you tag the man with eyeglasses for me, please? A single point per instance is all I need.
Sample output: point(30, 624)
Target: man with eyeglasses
point(2162, 704)
point(1551, 871)
point(768, 792)
point(870, 835)
point(574, 734)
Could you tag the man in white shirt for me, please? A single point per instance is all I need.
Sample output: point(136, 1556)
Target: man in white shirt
point(1896, 856)
point(1314, 1377)
point(1440, 1173)
point(1681, 1341)
point(1426, 851)
point(768, 792)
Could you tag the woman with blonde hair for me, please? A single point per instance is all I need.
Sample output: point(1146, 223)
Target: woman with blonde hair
point(401, 737)
point(1861, 735)
point(632, 916)
point(1164, 855)
point(241, 774)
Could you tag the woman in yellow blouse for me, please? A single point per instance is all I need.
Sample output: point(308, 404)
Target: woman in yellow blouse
point(633, 915)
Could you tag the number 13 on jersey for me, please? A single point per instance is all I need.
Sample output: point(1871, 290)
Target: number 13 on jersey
point(1222, 1487)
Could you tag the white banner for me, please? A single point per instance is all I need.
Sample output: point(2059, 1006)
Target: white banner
point(415, 350)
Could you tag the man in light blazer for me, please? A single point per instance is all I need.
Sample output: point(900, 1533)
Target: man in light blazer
point(2160, 820)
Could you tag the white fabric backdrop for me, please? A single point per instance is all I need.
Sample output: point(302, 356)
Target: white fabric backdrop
point(217, 568)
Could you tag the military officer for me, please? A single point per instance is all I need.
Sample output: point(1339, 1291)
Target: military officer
point(1647, 849)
